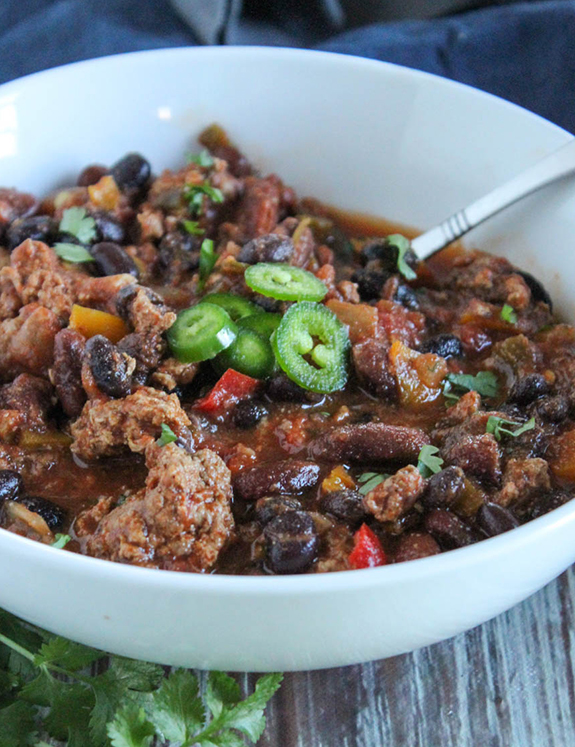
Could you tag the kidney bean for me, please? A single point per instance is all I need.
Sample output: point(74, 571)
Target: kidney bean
point(67, 371)
point(495, 519)
point(447, 346)
point(369, 442)
point(11, 485)
point(346, 505)
point(112, 259)
point(414, 546)
point(269, 248)
point(271, 506)
point(528, 388)
point(444, 488)
point(38, 228)
point(53, 515)
point(448, 529)
point(291, 543)
point(292, 476)
point(91, 175)
point(109, 367)
point(248, 413)
point(132, 172)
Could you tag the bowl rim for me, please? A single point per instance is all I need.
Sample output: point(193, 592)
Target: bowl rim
point(307, 584)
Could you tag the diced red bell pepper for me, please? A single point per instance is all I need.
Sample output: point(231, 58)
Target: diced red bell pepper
point(367, 551)
point(230, 389)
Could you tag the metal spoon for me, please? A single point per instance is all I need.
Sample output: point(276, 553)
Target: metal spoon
point(556, 166)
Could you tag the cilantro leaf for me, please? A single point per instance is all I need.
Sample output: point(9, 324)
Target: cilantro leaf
point(203, 158)
point(73, 253)
point(427, 463)
point(17, 725)
point(370, 481)
point(193, 227)
point(508, 314)
point(484, 383)
point(194, 195)
point(500, 427)
point(402, 244)
point(131, 728)
point(61, 540)
point(76, 221)
point(167, 437)
point(208, 259)
point(221, 690)
point(66, 654)
point(177, 710)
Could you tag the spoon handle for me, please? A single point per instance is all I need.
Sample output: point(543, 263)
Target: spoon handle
point(555, 166)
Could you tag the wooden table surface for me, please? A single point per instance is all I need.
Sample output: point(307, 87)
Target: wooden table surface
point(507, 683)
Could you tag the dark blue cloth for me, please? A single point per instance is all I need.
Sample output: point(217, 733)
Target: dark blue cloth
point(523, 52)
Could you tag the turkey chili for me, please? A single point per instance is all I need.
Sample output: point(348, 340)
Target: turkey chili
point(200, 372)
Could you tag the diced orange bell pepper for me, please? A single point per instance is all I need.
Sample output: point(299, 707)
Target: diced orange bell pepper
point(419, 376)
point(91, 322)
point(230, 389)
point(359, 317)
point(338, 479)
point(367, 551)
point(563, 459)
point(105, 193)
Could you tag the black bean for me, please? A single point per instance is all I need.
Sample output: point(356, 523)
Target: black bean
point(132, 172)
point(11, 485)
point(53, 515)
point(109, 367)
point(550, 502)
point(553, 409)
point(291, 477)
point(126, 296)
point(291, 543)
point(446, 345)
point(108, 228)
point(68, 238)
point(346, 505)
point(495, 519)
point(529, 388)
point(369, 283)
point(282, 389)
point(448, 529)
point(444, 488)
point(146, 356)
point(184, 248)
point(38, 228)
point(271, 506)
point(248, 413)
point(376, 249)
point(538, 292)
point(112, 259)
point(406, 296)
point(91, 175)
point(66, 373)
point(269, 248)
point(386, 255)
point(415, 545)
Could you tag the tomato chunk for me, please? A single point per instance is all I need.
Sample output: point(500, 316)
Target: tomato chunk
point(230, 389)
point(367, 551)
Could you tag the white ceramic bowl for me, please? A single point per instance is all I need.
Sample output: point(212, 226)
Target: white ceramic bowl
point(358, 134)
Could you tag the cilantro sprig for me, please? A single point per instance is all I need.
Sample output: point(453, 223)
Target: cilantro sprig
point(193, 227)
point(402, 244)
point(484, 383)
point(61, 540)
point(203, 158)
point(508, 314)
point(427, 462)
point(73, 252)
point(76, 221)
point(48, 693)
point(208, 259)
point(370, 480)
point(167, 435)
point(194, 195)
point(500, 427)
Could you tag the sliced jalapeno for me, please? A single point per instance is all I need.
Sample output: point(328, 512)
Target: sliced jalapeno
point(311, 345)
point(201, 332)
point(236, 306)
point(264, 323)
point(284, 282)
point(250, 354)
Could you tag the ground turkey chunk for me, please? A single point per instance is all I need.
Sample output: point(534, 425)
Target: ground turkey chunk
point(393, 497)
point(28, 342)
point(522, 480)
point(134, 421)
point(180, 520)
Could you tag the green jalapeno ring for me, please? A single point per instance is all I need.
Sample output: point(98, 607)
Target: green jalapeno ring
point(284, 282)
point(237, 307)
point(250, 354)
point(201, 332)
point(294, 339)
point(263, 322)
